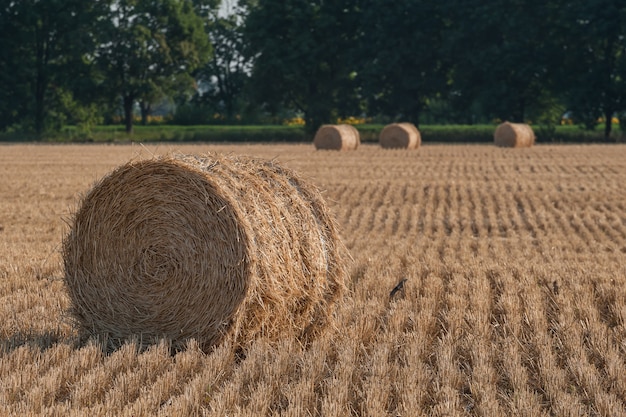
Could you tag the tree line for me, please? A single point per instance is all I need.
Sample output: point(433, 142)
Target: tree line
point(71, 62)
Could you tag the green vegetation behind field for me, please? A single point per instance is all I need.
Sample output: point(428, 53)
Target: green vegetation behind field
point(277, 133)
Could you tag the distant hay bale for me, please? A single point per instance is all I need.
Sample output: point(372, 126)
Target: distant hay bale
point(343, 137)
point(514, 135)
point(400, 135)
point(356, 134)
point(202, 247)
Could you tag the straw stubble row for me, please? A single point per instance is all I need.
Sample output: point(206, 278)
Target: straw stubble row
point(513, 304)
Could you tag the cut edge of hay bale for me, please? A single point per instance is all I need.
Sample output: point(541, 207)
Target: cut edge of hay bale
point(514, 135)
point(342, 137)
point(400, 135)
point(178, 247)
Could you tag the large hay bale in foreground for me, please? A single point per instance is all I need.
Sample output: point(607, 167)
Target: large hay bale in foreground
point(202, 247)
point(514, 135)
point(343, 137)
point(400, 135)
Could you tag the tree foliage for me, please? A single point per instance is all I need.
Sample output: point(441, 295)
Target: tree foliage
point(503, 56)
point(149, 49)
point(301, 51)
point(594, 83)
point(400, 56)
point(224, 77)
point(42, 44)
point(68, 61)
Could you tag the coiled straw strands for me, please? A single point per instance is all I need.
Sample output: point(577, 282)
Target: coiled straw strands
point(400, 135)
point(203, 247)
point(342, 137)
point(514, 135)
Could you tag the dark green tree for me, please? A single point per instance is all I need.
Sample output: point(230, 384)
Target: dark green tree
point(400, 60)
point(302, 56)
point(593, 76)
point(42, 44)
point(224, 78)
point(150, 48)
point(503, 54)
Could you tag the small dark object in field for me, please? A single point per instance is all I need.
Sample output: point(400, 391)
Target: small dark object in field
point(398, 287)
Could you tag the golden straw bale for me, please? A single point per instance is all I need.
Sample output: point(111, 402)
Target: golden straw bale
point(400, 135)
point(514, 135)
point(356, 134)
point(343, 137)
point(202, 247)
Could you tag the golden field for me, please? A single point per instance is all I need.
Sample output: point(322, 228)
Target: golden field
point(514, 301)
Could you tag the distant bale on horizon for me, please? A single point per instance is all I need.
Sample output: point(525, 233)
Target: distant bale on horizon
point(202, 247)
point(400, 135)
point(343, 137)
point(514, 135)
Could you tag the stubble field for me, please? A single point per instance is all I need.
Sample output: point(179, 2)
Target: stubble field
point(514, 301)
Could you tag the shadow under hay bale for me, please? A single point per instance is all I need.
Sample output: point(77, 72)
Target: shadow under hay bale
point(202, 247)
point(337, 137)
point(400, 135)
point(514, 135)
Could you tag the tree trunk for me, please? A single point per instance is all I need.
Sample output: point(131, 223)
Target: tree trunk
point(519, 112)
point(608, 123)
point(40, 92)
point(146, 109)
point(128, 113)
point(311, 124)
point(314, 118)
point(415, 118)
point(41, 81)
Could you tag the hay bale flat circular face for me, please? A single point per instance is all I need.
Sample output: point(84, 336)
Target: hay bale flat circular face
point(400, 135)
point(337, 137)
point(514, 135)
point(202, 247)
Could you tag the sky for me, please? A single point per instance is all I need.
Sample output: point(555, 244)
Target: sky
point(227, 7)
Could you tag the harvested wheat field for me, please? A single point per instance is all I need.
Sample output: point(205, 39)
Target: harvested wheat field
point(514, 301)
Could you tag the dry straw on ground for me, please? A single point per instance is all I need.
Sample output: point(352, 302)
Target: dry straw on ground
point(337, 137)
point(400, 135)
point(514, 135)
point(202, 247)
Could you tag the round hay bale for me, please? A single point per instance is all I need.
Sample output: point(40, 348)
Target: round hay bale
point(400, 135)
point(514, 135)
point(356, 134)
point(202, 247)
point(337, 137)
